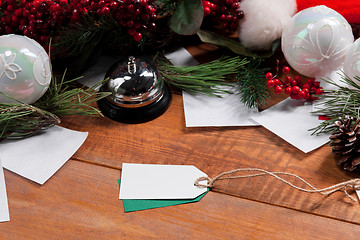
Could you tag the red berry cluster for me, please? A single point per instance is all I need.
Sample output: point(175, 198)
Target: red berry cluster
point(36, 19)
point(136, 16)
point(42, 19)
point(294, 86)
point(225, 12)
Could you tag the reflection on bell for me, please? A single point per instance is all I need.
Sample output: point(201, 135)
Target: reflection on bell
point(138, 94)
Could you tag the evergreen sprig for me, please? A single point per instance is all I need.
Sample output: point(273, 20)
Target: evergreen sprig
point(165, 7)
point(207, 78)
point(23, 120)
point(87, 34)
point(19, 119)
point(62, 99)
point(252, 85)
point(343, 100)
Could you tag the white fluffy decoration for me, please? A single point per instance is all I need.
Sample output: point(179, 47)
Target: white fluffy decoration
point(264, 21)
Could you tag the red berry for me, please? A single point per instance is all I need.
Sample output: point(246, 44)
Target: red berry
point(313, 89)
point(105, 10)
point(207, 11)
point(310, 81)
point(288, 79)
point(319, 91)
point(295, 89)
point(316, 84)
point(306, 90)
point(131, 31)
point(268, 76)
point(297, 78)
point(131, 8)
point(306, 86)
point(137, 37)
point(294, 96)
point(277, 82)
point(278, 89)
point(288, 90)
point(313, 98)
point(293, 83)
point(307, 96)
point(302, 94)
point(270, 83)
point(286, 70)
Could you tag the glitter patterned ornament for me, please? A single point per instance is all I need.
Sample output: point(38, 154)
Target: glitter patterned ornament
point(352, 61)
point(316, 41)
point(25, 72)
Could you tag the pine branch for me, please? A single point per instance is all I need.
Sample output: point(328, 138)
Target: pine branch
point(77, 37)
point(344, 100)
point(60, 99)
point(252, 85)
point(205, 78)
point(22, 120)
point(165, 7)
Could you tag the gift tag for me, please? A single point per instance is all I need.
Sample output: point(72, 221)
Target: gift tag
point(149, 181)
point(132, 205)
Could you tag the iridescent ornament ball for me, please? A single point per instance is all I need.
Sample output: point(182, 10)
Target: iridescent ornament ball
point(352, 62)
point(25, 72)
point(316, 40)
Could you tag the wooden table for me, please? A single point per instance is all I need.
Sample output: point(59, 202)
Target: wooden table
point(81, 200)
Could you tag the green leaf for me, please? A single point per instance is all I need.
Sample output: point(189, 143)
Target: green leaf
point(236, 47)
point(187, 17)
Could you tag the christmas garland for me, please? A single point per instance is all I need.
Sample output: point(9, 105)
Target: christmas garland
point(81, 30)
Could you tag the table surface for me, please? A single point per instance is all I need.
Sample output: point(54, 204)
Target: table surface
point(81, 200)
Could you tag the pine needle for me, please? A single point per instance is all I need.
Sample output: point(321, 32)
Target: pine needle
point(252, 85)
point(344, 100)
point(207, 78)
point(18, 119)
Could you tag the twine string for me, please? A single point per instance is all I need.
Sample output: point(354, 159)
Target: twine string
point(353, 184)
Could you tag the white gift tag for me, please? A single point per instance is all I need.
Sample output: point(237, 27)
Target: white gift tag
point(4, 209)
point(149, 181)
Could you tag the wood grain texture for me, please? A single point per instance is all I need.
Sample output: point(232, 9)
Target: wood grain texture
point(166, 140)
point(80, 202)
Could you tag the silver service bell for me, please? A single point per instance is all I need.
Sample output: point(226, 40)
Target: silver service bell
point(138, 93)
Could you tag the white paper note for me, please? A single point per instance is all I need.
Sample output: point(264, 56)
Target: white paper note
point(181, 57)
point(4, 209)
point(336, 77)
point(205, 111)
point(291, 120)
point(149, 181)
point(39, 157)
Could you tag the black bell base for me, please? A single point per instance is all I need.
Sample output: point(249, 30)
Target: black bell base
point(136, 115)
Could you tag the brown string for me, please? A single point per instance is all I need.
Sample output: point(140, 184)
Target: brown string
point(343, 186)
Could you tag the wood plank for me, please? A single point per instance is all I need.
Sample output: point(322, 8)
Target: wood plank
point(166, 140)
point(80, 202)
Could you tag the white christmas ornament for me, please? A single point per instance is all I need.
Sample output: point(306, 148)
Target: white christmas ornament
point(25, 72)
point(316, 41)
point(352, 61)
